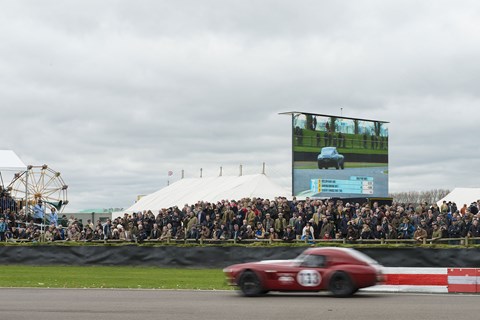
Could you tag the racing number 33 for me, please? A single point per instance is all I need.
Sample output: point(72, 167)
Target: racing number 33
point(309, 278)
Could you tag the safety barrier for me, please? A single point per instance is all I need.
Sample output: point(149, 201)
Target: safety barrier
point(459, 242)
point(430, 280)
point(464, 280)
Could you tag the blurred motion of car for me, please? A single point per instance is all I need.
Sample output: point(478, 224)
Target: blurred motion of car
point(342, 271)
point(329, 157)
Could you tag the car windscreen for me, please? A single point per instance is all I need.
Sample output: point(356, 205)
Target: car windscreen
point(300, 258)
point(328, 152)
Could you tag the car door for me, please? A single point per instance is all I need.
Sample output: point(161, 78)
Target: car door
point(307, 275)
point(311, 272)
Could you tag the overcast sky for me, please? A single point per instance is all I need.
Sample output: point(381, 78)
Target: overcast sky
point(114, 94)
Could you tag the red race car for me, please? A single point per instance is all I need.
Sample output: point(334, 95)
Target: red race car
point(342, 271)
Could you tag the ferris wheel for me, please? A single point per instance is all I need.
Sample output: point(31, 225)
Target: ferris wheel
point(39, 183)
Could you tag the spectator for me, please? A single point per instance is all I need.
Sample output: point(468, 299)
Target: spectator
point(13, 234)
point(379, 233)
point(225, 233)
point(406, 229)
point(248, 232)
point(289, 234)
point(175, 221)
point(474, 230)
point(298, 227)
point(268, 222)
point(166, 234)
point(89, 224)
point(327, 226)
point(309, 228)
point(366, 232)
point(454, 230)
point(142, 234)
point(227, 214)
point(391, 232)
point(3, 229)
point(98, 234)
point(38, 212)
point(88, 234)
point(123, 234)
point(420, 234)
point(190, 221)
point(280, 225)
point(319, 216)
point(53, 218)
point(251, 217)
point(292, 220)
point(73, 233)
point(205, 232)
point(437, 232)
point(133, 228)
point(260, 231)
point(49, 232)
point(208, 223)
point(194, 232)
point(307, 237)
point(236, 234)
point(63, 221)
point(216, 231)
point(107, 229)
point(116, 234)
point(327, 236)
point(271, 234)
point(155, 233)
point(397, 219)
point(352, 233)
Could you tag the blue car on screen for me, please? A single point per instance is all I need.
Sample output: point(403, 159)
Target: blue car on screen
point(329, 157)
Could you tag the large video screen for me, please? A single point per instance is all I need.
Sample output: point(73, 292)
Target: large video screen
point(339, 157)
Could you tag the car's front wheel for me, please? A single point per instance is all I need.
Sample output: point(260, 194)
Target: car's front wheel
point(341, 285)
point(250, 284)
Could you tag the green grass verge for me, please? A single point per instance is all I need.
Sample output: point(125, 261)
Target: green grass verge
point(112, 277)
point(347, 151)
point(314, 165)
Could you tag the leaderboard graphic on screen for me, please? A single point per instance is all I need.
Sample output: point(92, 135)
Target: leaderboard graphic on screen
point(339, 157)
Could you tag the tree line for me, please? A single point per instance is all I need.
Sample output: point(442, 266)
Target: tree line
point(430, 196)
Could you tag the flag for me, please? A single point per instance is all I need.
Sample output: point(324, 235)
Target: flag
point(170, 173)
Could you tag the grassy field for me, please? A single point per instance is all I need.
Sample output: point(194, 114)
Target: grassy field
point(112, 277)
point(341, 150)
point(314, 165)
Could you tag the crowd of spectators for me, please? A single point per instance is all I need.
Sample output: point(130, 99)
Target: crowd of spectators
point(254, 219)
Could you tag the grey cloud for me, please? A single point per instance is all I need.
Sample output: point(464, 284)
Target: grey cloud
point(115, 93)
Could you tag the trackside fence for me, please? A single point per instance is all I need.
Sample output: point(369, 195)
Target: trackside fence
point(462, 242)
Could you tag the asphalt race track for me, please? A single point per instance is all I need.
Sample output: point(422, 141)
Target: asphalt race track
point(73, 304)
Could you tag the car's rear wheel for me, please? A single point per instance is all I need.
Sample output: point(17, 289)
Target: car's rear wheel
point(250, 284)
point(342, 165)
point(341, 285)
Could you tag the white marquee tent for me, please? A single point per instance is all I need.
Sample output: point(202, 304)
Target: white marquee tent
point(191, 190)
point(10, 164)
point(9, 161)
point(461, 196)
